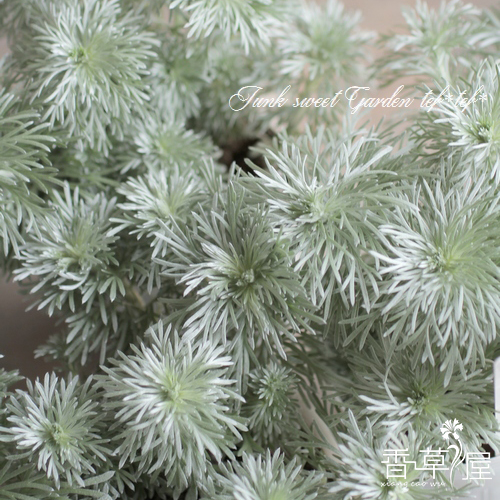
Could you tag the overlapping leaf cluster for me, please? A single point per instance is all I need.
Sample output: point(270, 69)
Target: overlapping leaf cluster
point(251, 305)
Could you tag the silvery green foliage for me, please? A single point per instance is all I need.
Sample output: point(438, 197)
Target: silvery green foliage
point(251, 21)
point(471, 128)
point(161, 197)
point(362, 473)
point(23, 177)
point(85, 64)
point(169, 392)
point(270, 402)
point(228, 71)
point(329, 195)
point(440, 271)
point(336, 296)
point(405, 395)
point(72, 252)
point(489, 35)
point(326, 54)
point(268, 477)
point(6, 380)
point(164, 143)
point(326, 49)
point(180, 73)
point(52, 442)
point(26, 483)
point(238, 282)
point(441, 44)
point(56, 425)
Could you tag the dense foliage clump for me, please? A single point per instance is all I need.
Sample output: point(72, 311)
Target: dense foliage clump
point(254, 304)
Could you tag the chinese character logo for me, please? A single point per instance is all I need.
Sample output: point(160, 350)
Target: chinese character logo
point(396, 463)
point(477, 463)
point(451, 428)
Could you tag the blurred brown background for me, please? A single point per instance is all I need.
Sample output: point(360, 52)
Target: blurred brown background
point(21, 332)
